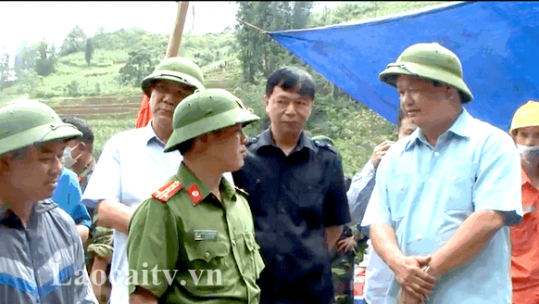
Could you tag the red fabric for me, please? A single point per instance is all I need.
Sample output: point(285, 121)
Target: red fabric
point(144, 114)
point(525, 247)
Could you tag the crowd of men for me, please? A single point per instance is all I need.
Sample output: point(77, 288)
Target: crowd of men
point(189, 210)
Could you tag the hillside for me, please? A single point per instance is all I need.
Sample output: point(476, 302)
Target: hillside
point(106, 92)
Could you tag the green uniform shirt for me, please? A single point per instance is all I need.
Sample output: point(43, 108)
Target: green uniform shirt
point(207, 251)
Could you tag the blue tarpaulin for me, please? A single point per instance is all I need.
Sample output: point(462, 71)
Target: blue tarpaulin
point(497, 43)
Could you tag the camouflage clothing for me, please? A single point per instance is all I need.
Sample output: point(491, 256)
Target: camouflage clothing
point(342, 266)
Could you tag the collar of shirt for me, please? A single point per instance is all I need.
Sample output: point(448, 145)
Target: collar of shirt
point(150, 134)
point(188, 179)
point(266, 139)
point(460, 128)
point(12, 220)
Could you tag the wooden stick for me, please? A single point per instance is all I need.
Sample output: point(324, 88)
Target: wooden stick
point(176, 35)
point(253, 26)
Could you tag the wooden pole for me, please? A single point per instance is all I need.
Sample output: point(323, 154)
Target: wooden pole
point(176, 35)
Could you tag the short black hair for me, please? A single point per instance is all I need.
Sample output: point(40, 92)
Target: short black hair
point(82, 125)
point(185, 146)
point(292, 78)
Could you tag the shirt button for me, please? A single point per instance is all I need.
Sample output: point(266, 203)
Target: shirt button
point(431, 180)
point(207, 255)
point(418, 236)
point(233, 243)
point(436, 154)
point(401, 186)
point(282, 210)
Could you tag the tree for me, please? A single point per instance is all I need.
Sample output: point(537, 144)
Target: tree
point(140, 64)
point(25, 59)
point(74, 42)
point(46, 60)
point(258, 53)
point(102, 39)
point(5, 70)
point(89, 51)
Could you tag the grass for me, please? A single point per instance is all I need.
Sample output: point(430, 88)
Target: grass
point(104, 128)
point(356, 131)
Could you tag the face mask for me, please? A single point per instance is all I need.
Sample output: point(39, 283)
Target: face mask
point(69, 161)
point(530, 154)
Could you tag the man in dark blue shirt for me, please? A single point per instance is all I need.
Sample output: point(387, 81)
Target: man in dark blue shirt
point(298, 196)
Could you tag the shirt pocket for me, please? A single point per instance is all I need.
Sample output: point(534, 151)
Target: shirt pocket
point(207, 254)
point(208, 262)
point(398, 192)
point(523, 235)
point(460, 181)
point(255, 261)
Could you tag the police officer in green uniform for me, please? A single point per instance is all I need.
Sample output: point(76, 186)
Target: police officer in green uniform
point(193, 241)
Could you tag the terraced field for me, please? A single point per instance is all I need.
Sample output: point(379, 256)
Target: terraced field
point(97, 107)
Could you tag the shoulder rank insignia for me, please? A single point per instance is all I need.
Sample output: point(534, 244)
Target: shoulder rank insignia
point(325, 145)
point(167, 191)
point(242, 191)
point(194, 194)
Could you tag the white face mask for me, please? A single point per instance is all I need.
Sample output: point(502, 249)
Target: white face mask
point(529, 153)
point(69, 161)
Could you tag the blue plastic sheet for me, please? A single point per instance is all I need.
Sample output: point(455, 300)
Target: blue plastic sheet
point(497, 43)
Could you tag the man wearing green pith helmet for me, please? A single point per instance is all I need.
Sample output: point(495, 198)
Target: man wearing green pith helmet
point(41, 253)
point(133, 163)
point(445, 195)
point(197, 226)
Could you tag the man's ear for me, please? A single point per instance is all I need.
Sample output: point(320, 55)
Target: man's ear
point(452, 94)
point(200, 144)
point(5, 163)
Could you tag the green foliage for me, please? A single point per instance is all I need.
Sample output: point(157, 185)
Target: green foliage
point(122, 58)
point(74, 42)
point(355, 11)
point(5, 70)
point(89, 51)
point(25, 59)
point(46, 60)
point(140, 64)
point(210, 51)
point(258, 53)
point(28, 79)
point(105, 127)
point(72, 89)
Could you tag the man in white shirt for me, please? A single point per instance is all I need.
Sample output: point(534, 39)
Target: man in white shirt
point(133, 163)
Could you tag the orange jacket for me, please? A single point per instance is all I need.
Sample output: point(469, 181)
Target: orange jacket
point(525, 242)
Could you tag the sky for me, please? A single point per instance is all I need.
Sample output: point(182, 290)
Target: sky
point(52, 21)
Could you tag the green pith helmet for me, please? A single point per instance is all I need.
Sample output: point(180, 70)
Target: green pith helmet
point(206, 111)
point(25, 122)
point(324, 139)
point(176, 69)
point(431, 61)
